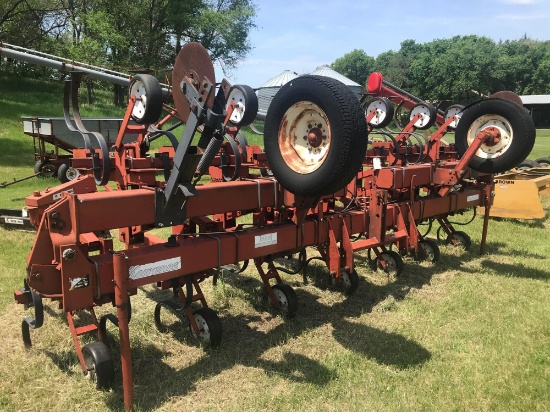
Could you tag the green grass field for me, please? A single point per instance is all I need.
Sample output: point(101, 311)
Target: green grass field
point(468, 333)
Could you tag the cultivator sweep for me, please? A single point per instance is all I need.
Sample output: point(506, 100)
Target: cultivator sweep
point(321, 183)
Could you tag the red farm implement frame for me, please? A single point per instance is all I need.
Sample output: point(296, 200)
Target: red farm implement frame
point(328, 190)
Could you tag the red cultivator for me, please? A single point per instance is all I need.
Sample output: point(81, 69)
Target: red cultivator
point(328, 190)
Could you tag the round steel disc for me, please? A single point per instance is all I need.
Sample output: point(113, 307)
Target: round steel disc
point(193, 62)
point(508, 95)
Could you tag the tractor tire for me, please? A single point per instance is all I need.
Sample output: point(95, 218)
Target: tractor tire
point(148, 93)
point(315, 136)
point(516, 128)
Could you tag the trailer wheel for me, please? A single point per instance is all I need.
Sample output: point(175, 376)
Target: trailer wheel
point(394, 263)
point(65, 173)
point(315, 136)
point(246, 103)
point(429, 250)
point(349, 281)
point(148, 93)
point(517, 135)
point(286, 298)
point(384, 111)
point(453, 110)
point(210, 327)
point(459, 238)
point(543, 161)
point(99, 364)
point(45, 168)
point(428, 118)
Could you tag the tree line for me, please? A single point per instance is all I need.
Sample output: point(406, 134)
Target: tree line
point(458, 68)
point(128, 34)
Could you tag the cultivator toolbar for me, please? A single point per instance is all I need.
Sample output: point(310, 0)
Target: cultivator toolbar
point(321, 183)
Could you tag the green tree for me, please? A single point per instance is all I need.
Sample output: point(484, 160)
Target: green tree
point(356, 65)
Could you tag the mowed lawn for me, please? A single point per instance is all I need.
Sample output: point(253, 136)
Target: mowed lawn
point(469, 333)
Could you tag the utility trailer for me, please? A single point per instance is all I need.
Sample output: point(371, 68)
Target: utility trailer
point(329, 189)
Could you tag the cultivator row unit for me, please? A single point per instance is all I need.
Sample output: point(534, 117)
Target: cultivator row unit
point(323, 182)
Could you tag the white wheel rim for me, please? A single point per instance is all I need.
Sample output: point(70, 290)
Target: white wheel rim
point(424, 111)
point(72, 173)
point(490, 150)
point(305, 137)
point(281, 298)
point(138, 90)
point(204, 334)
point(454, 111)
point(381, 112)
point(237, 96)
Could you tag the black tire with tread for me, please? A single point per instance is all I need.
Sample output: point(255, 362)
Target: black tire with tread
point(62, 173)
point(524, 133)
point(348, 130)
point(99, 362)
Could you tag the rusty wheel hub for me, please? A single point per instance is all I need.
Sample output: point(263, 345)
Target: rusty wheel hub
point(499, 135)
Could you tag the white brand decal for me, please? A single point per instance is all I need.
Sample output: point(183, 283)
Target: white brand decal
point(14, 221)
point(472, 198)
point(155, 268)
point(265, 240)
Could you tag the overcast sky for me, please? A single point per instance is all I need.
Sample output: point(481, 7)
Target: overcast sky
point(300, 35)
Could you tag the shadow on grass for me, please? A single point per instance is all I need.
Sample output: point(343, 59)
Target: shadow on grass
point(517, 270)
point(498, 248)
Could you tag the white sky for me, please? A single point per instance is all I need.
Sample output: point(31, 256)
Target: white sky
point(300, 35)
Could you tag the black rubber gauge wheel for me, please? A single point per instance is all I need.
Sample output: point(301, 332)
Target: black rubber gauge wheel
point(459, 238)
point(65, 173)
point(514, 143)
point(384, 112)
point(453, 110)
point(210, 327)
point(287, 299)
point(394, 263)
point(246, 105)
point(315, 136)
point(428, 114)
point(148, 94)
point(99, 364)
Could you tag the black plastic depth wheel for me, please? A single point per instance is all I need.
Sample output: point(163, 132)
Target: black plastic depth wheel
point(429, 250)
point(459, 238)
point(99, 364)
point(210, 327)
point(517, 134)
point(315, 136)
point(394, 262)
point(384, 111)
point(287, 299)
point(148, 92)
point(246, 104)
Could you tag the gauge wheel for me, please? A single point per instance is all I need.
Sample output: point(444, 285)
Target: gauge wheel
point(210, 327)
point(428, 116)
point(459, 238)
point(246, 105)
point(99, 364)
point(394, 263)
point(428, 250)
point(514, 142)
point(45, 168)
point(148, 93)
point(314, 136)
point(286, 299)
point(65, 173)
point(384, 112)
point(453, 110)
point(349, 281)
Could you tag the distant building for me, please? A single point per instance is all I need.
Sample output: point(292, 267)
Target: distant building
point(268, 90)
point(539, 107)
